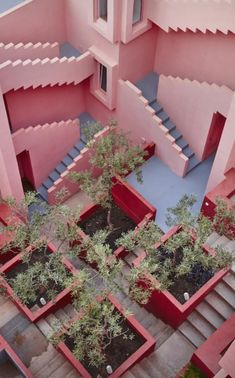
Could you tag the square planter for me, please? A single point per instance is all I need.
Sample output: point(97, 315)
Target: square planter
point(164, 305)
point(146, 348)
point(131, 203)
point(62, 298)
point(9, 357)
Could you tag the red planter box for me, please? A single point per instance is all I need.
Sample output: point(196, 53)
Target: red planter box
point(141, 353)
point(4, 346)
point(208, 355)
point(225, 190)
point(61, 299)
point(164, 305)
point(132, 204)
point(6, 219)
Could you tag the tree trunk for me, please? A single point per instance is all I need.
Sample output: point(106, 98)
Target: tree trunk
point(110, 225)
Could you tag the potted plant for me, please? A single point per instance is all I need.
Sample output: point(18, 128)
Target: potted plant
point(117, 207)
point(36, 277)
point(179, 269)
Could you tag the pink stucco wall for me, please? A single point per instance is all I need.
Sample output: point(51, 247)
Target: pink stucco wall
point(10, 182)
point(225, 153)
point(47, 145)
point(138, 119)
point(137, 57)
point(44, 105)
point(191, 105)
point(37, 21)
point(204, 57)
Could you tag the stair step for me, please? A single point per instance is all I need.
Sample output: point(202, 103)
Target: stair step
point(148, 321)
point(148, 367)
point(85, 118)
point(148, 85)
point(219, 304)
point(220, 242)
point(188, 152)
point(62, 371)
point(182, 143)
point(193, 163)
point(52, 320)
point(61, 315)
point(67, 160)
point(192, 334)
point(51, 367)
point(226, 293)
point(169, 125)
point(139, 371)
point(230, 247)
point(128, 374)
point(164, 335)
point(80, 145)
point(212, 238)
point(38, 362)
point(129, 258)
point(175, 134)
point(44, 327)
point(54, 175)
point(155, 106)
point(48, 183)
point(73, 374)
point(43, 192)
point(73, 152)
point(60, 168)
point(230, 280)
point(210, 314)
point(201, 323)
point(156, 328)
point(161, 114)
point(70, 311)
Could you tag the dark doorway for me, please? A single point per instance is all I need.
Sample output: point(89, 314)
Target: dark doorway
point(26, 172)
point(214, 135)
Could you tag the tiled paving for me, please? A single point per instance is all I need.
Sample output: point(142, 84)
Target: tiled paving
point(163, 188)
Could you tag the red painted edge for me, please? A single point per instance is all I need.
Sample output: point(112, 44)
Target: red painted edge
point(208, 355)
point(142, 352)
point(5, 346)
point(164, 305)
point(63, 296)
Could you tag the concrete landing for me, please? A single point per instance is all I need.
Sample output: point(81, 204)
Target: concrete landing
point(163, 188)
point(66, 49)
point(8, 4)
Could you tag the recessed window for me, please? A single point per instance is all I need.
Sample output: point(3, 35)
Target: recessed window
point(137, 7)
point(103, 78)
point(103, 9)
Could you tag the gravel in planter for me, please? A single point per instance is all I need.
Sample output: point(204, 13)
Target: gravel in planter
point(98, 221)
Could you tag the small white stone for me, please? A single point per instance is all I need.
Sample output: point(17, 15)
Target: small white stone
point(109, 369)
point(186, 296)
point(42, 301)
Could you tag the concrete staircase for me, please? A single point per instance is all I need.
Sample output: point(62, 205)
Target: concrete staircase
point(51, 364)
point(149, 86)
point(217, 306)
point(85, 121)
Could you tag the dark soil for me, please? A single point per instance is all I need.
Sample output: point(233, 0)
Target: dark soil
point(37, 256)
point(190, 282)
point(98, 221)
point(116, 353)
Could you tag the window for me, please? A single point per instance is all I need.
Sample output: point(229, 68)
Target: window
point(103, 78)
point(103, 9)
point(136, 11)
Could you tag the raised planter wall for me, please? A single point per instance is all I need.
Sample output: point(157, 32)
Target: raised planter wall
point(143, 351)
point(164, 305)
point(4, 346)
point(208, 355)
point(53, 305)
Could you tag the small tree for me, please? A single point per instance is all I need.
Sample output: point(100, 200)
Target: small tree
point(112, 155)
point(181, 255)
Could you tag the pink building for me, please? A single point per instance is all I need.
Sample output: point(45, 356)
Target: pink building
point(163, 69)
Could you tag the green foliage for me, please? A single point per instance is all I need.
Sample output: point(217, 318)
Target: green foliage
point(224, 219)
point(112, 155)
point(193, 372)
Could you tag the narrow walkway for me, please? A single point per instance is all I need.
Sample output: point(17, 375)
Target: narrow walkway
point(163, 188)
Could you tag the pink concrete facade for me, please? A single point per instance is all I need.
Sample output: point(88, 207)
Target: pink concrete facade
point(190, 45)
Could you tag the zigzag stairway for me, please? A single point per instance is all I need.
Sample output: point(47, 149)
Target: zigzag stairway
point(148, 86)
